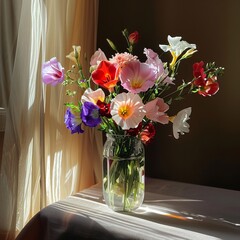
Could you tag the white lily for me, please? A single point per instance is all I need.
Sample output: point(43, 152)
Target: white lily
point(180, 124)
point(176, 46)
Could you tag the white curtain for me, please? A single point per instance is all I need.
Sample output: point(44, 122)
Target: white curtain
point(41, 161)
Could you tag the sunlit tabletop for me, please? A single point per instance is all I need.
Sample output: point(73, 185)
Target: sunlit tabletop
point(171, 210)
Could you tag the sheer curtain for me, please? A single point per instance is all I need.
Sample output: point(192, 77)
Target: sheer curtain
point(41, 161)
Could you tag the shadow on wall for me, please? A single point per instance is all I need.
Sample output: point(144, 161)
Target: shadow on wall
point(209, 154)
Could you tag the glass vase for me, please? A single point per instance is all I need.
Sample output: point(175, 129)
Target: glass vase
point(123, 172)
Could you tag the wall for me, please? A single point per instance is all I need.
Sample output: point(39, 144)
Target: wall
point(1, 145)
point(2, 127)
point(210, 153)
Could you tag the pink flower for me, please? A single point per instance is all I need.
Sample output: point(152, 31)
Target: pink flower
point(52, 72)
point(157, 64)
point(155, 111)
point(120, 59)
point(97, 57)
point(137, 77)
point(127, 110)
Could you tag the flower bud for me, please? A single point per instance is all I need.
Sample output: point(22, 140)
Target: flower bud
point(133, 37)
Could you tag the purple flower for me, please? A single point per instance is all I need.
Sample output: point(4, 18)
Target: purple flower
point(52, 72)
point(72, 123)
point(90, 114)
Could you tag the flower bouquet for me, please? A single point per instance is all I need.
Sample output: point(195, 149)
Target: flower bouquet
point(126, 98)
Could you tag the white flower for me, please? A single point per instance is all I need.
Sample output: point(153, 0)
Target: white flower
point(180, 124)
point(176, 45)
point(93, 96)
point(127, 110)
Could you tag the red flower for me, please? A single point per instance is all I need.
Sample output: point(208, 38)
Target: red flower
point(133, 37)
point(198, 70)
point(104, 109)
point(205, 86)
point(135, 131)
point(105, 75)
point(199, 74)
point(148, 133)
point(210, 88)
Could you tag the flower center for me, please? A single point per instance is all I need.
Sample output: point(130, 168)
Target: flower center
point(95, 113)
point(137, 83)
point(57, 73)
point(125, 111)
point(108, 77)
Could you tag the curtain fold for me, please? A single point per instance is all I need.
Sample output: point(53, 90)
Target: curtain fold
point(41, 161)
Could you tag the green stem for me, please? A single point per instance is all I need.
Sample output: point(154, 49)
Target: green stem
point(180, 89)
point(125, 188)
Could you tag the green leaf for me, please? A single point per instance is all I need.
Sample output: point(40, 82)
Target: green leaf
point(125, 33)
point(169, 101)
point(72, 106)
point(130, 49)
point(179, 98)
point(112, 45)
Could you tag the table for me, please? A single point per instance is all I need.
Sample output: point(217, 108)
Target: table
point(171, 210)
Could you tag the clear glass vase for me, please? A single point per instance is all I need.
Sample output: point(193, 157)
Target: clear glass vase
point(123, 172)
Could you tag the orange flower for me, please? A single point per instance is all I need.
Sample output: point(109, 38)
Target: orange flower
point(105, 75)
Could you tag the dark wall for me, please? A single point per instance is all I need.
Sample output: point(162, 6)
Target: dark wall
point(1, 145)
point(210, 153)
